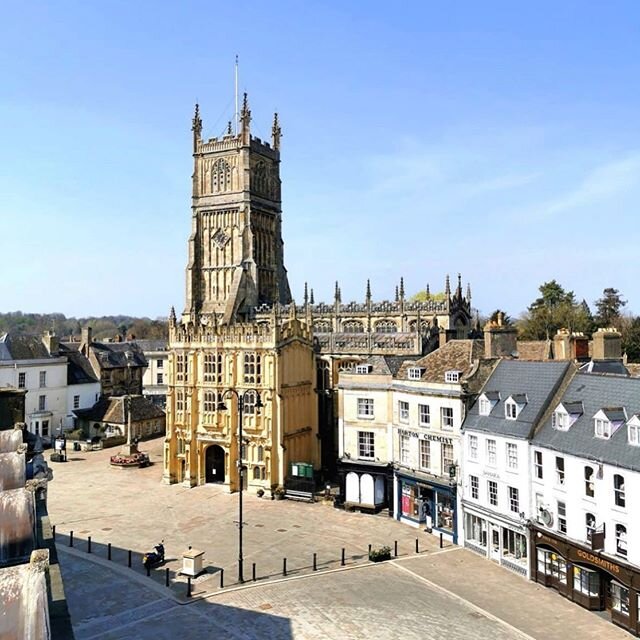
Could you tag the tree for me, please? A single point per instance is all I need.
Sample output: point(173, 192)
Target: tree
point(421, 296)
point(631, 340)
point(609, 307)
point(554, 309)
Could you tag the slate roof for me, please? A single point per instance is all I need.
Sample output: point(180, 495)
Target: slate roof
point(455, 355)
point(614, 367)
point(153, 345)
point(118, 354)
point(596, 392)
point(113, 410)
point(79, 370)
point(538, 380)
point(20, 346)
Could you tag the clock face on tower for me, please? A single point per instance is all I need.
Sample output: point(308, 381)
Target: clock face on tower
point(220, 238)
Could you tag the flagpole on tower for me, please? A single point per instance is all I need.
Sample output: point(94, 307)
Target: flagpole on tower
point(236, 89)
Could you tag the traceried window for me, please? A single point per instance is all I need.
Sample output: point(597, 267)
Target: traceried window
point(446, 417)
point(403, 411)
point(588, 482)
point(210, 401)
point(249, 403)
point(474, 485)
point(322, 326)
point(22, 380)
point(512, 456)
point(352, 326)
point(365, 407)
point(260, 453)
point(447, 457)
point(181, 373)
point(424, 415)
point(179, 400)
point(366, 448)
point(618, 490)
point(492, 492)
point(621, 540)
point(386, 326)
point(252, 368)
point(514, 499)
point(492, 457)
point(220, 176)
point(405, 450)
point(425, 454)
point(562, 517)
point(473, 447)
point(537, 463)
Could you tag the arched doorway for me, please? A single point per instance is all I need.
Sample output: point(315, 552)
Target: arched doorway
point(214, 464)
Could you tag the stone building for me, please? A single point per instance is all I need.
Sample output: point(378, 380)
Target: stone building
point(241, 330)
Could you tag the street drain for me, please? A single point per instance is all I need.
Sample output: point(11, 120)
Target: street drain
point(281, 530)
point(258, 525)
point(106, 529)
point(296, 526)
point(265, 606)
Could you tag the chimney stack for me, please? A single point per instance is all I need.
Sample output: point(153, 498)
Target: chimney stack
point(86, 340)
point(607, 345)
point(51, 342)
point(500, 340)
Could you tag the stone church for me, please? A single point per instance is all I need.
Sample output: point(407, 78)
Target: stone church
point(241, 333)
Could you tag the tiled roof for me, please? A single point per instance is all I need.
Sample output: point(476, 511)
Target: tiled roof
point(597, 392)
point(113, 410)
point(20, 346)
point(455, 355)
point(538, 380)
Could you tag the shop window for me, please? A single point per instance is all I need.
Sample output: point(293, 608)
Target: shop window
point(590, 525)
point(403, 411)
point(586, 581)
point(537, 463)
point(476, 530)
point(588, 482)
point(45, 427)
point(551, 564)
point(619, 596)
point(409, 501)
point(559, 470)
point(562, 517)
point(473, 447)
point(492, 492)
point(365, 407)
point(446, 417)
point(425, 454)
point(445, 511)
point(474, 485)
point(514, 544)
point(405, 451)
point(366, 447)
point(514, 500)
point(424, 414)
point(512, 456)
point(491, 453)
point(618, 490)
point(621, 540)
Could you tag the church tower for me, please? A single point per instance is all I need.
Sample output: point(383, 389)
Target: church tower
point(235, 247)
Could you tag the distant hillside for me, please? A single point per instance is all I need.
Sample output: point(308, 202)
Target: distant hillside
point(104, 327)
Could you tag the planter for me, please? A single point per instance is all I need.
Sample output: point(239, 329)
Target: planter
point(380, 555)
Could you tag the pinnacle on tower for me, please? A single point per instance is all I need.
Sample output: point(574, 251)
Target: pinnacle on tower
point(402, 288)
point(397, 294)
point(368, 294)
point(196, 126)
point(428, 292)
point(229, 128)
point(311, 301)
point(447, 286)
point(468, 292)
point(336, 294)
point(276, 132)
point(245, 119)
point(306, 294)
point(459, 289)
point(172, 315)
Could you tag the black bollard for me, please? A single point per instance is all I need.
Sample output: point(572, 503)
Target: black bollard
point(109, 551)
point(53, 530)
point(395, 548)
point(188, 586)
point(315, 562)
point(89, 544)
point(166, 577)
point(441, 541)
point(417, 547)
point(221, 578)
point(342, 559)
point(71, 538)
point(148, 571)
point(284, 566)
point(129, 559)
point(253, 571)
point(369, 556)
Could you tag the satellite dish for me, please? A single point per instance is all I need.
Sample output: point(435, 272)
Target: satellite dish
point(546, 517)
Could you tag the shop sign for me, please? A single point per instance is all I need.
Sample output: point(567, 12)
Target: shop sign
point(425, 436)
point(600, 562)
point(491, 474)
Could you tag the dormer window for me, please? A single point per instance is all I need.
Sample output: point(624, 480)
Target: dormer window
point(633, 430)
point(565, 415)
point(487, 402)
point(415, 373)
point(452, 376)
point(607, 421)
point(484, 407)
point(363, 368)
point(513, 405)
point(560, 420)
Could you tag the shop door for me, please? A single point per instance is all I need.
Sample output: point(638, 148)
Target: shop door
point(352, 487)
point(366, 489)
point(214, 462)
point(494, 542)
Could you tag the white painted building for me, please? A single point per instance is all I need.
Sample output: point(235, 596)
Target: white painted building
point(154, 379)
point(496, 476)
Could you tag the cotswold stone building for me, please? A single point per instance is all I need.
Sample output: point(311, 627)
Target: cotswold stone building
point(241, 330)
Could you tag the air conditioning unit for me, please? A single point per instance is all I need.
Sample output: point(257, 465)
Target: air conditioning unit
point(546, 517)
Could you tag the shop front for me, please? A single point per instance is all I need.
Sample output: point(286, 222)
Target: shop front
point(496, 538)
point(364, 486)
point(588, 578)
point(427, 501)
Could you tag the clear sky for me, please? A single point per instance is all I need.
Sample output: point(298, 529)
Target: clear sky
point(498, 139)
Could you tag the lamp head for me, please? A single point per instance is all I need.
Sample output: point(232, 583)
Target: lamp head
point(222, 406)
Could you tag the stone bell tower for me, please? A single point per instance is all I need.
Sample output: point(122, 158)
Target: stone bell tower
point(235, 247)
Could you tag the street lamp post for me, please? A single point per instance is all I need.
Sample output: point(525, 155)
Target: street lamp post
point(240, 397)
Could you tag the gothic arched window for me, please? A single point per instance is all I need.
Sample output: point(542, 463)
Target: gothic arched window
point(322, 326)
point(386, 326)
point(353, 326)
point(220, 176)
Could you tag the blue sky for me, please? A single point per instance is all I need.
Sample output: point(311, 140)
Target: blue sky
point(496, 139)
